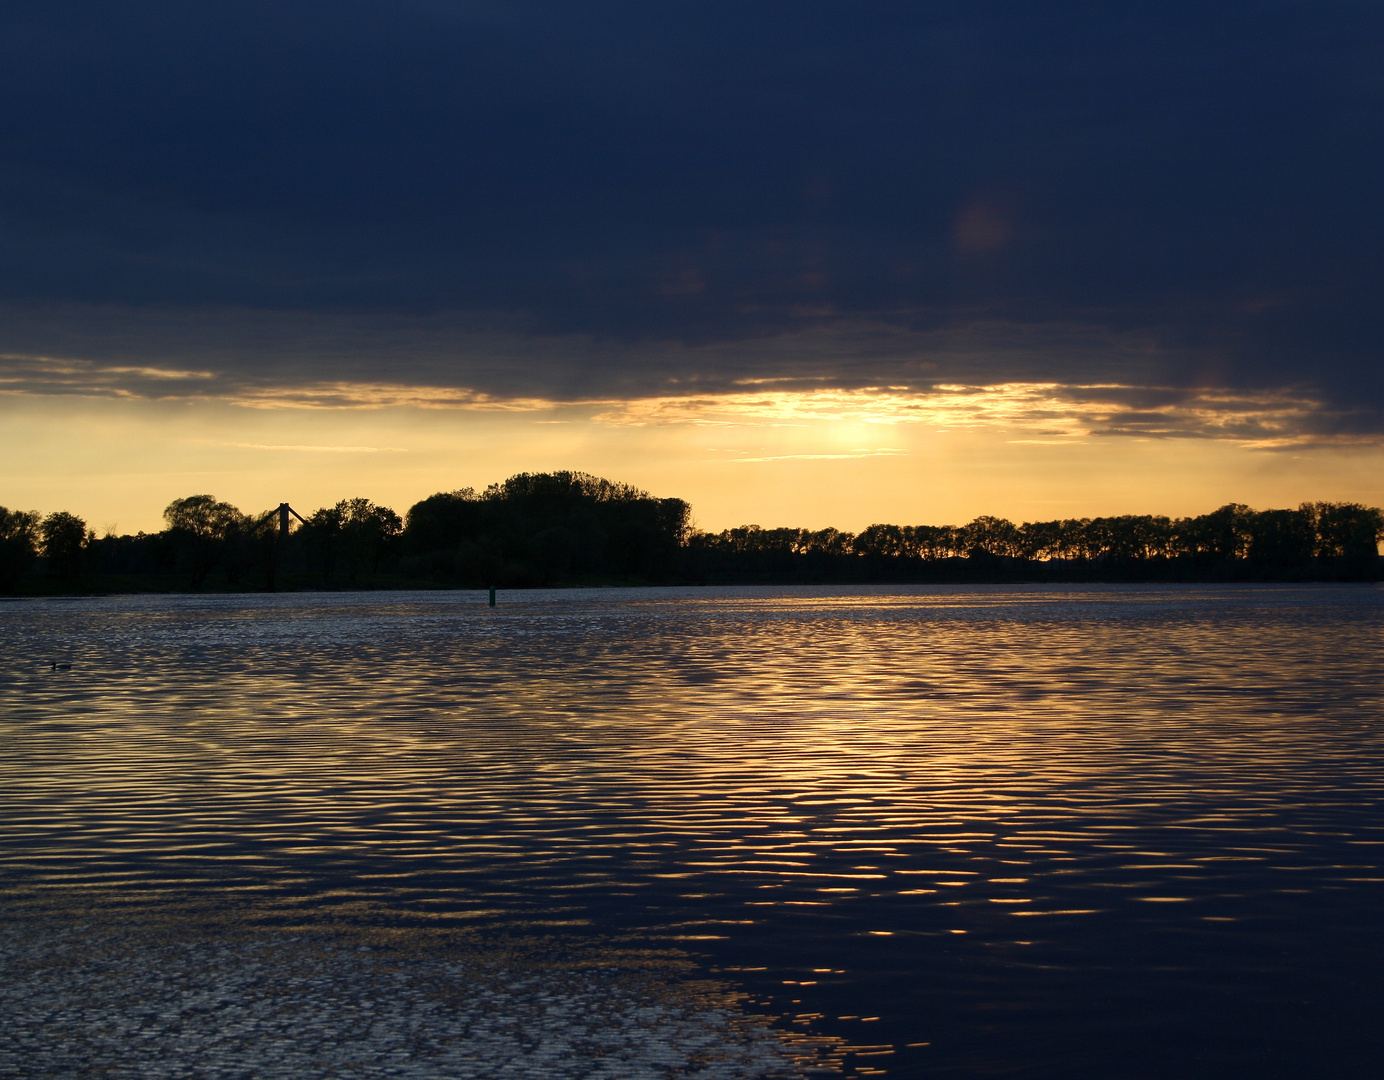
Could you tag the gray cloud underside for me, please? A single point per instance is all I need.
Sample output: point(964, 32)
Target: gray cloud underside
point(368, 360)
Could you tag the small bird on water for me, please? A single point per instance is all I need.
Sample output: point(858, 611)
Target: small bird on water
point(55, 666)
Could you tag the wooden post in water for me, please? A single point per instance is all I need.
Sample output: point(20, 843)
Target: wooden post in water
point(492, 596)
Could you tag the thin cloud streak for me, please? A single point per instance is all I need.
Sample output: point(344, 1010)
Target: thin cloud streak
point(20, 374)
point(321, 449)
point(850, 455)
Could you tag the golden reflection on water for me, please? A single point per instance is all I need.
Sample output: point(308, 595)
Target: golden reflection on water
point(682, 765)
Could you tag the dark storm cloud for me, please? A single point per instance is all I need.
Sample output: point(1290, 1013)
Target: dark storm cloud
point(584, 199)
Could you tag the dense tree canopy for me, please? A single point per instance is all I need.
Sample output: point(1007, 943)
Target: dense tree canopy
point(63, 539)
point(537, 528)
point(19, 537)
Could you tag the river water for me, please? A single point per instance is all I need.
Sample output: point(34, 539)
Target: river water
point(974, 831)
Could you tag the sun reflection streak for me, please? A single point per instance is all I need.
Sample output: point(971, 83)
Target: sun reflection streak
point(703, 771)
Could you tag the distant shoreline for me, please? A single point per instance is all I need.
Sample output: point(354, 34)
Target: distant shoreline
point(1039, 574)
point(570, 529)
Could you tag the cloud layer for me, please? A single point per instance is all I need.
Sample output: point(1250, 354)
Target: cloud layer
point(1033, 412)
point(1144, 204)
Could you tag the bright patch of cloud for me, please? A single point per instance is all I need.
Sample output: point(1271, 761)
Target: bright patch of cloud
point(362, 395)
point(47, 375)
point(1054, 412)
point(884, 451)
point(1032, 412)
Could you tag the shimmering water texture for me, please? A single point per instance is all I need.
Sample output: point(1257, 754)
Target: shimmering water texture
point(165, 999)
point(1092, 832)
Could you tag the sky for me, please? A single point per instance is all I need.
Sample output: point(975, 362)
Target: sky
point(799, 263)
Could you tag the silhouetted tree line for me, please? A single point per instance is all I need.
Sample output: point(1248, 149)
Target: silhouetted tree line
point(1317, 541)
point(532, 529)
point(566, 527)
point(205, 539)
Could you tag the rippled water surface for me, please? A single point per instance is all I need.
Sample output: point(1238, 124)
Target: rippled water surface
point(1089, 832)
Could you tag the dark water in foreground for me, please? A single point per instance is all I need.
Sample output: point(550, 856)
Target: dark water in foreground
point(1083, 832)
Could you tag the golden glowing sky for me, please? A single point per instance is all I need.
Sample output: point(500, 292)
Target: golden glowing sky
point(771, 457)
point(904, 263)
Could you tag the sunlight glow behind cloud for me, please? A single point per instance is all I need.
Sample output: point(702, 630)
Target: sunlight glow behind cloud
point(910, 262)
point(1032, 412)
point(829, 461)
point(1054, 410)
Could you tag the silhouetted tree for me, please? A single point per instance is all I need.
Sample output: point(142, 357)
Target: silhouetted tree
point(538, 527)
point(1282, 539)
point(1220, 536)
point(443, 520)
point(355, 534)
point(198, 526)
point(19, 540)
point(370, 532)
point(322, 536)
point(249, 544)
point(826, 543)
point(990, 536)
point(934, 542)
point(884, 541)
point(63, 538)
point(1044, 540)
point(1347, 536)
point(129, 555)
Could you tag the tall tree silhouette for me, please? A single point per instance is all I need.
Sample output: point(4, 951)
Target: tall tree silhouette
point(19, 542)
point(63, 537)
point(198, 526)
